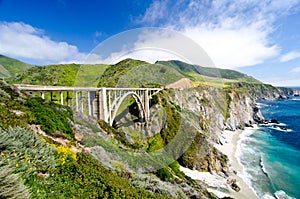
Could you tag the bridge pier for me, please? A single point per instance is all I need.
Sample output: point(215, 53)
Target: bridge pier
point(61, 98)
point(43, 95)
point(147, 106)
point(81, 102)
point(103, 114)
point(76, 101)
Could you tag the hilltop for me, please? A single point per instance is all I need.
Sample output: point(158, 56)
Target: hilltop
point(126, 73)
point(10, 67)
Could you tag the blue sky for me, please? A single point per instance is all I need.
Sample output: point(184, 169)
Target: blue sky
point(260, 38)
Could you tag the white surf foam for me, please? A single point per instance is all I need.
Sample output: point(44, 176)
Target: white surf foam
point(244, 136)
point(282, 195)
point(281, 129)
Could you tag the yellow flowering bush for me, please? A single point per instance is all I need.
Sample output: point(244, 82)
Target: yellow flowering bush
point(64, 153)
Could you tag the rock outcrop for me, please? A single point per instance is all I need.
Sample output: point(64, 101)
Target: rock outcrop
point(213, 110)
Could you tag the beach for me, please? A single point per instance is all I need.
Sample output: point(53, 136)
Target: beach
point(229, 148)
point(218, 184)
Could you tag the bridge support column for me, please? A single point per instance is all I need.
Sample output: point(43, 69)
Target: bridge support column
point(81, 102)
point(76, 101)
point(61, 98)
point(68, 99)
point(89, 103)
point(91, 97)
point(147, 105)
point(103, 114)
point(43, 95)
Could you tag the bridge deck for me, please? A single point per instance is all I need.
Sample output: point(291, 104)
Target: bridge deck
point(67, 88)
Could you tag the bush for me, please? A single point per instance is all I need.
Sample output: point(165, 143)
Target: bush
point(24, 150)
point(11, 186)
point(52, 117)
point(164, 174)
point(86, 178)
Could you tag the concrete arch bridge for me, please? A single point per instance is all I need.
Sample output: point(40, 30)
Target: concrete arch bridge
point(101, 103)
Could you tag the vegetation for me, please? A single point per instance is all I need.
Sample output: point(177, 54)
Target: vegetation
point(46, 168)
point(61, 75)
point(55, 75)
point(19, 110)
point(52, 118)
point(11, 185)
point(10, 67)
point(112, 75)
point(85, 178)
point(210, 76)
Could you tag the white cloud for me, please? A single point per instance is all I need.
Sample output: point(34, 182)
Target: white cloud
point(234, 33)
point(21, 40)
point(152, 44)
point(295, 70)
point(290, 56)
point(232, 48)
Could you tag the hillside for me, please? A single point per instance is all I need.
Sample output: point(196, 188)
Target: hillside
point(134, 73)
point(37, 142)
point(61, 75)
point(10, 67)
point(209, 75)
point(129, 73)
point(86, 158)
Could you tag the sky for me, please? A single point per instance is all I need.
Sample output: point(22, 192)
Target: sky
point(259, 38)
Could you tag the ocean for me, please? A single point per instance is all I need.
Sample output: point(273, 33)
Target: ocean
point(270, 154)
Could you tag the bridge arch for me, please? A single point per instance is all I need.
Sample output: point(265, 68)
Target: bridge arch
point(117, 103)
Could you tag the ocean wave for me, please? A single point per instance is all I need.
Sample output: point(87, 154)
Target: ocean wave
point(281, 124)
point(268, 196)
point(262, 165)
point(272, 124)
point(281, 129)
point(259, 104)
point(282, 195)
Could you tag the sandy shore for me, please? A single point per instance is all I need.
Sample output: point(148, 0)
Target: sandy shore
point(229, 149)
point(218, 184)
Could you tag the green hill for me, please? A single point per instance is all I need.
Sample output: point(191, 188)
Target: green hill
point(10, 67)
point(126, 73)
point(217, 74)
point(61, 75)
point(135, 73)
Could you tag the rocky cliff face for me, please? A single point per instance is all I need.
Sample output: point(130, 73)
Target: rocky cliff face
point(263, 91)
point(215, 110)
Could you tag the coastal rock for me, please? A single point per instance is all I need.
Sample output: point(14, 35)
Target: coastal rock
point(257, 115)
point(233, 184)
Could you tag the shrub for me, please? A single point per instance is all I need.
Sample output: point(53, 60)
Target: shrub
point(24, 150)
point(51, 117)
point(11, 186)
point(86, 178)
point(164, 174)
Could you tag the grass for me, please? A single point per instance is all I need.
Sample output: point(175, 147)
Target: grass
point(62, 75)
point(89, 75)
point(10, 67)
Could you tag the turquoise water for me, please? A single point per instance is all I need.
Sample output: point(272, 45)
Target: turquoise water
point(270, 154)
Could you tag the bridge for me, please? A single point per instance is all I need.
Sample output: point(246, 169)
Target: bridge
point(102, 103)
